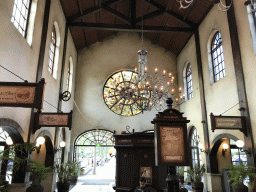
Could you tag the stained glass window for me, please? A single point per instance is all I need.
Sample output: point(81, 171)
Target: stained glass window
point(217, 57)
point(121, 93)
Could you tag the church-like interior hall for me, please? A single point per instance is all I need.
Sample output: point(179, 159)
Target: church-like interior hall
point(127, 95)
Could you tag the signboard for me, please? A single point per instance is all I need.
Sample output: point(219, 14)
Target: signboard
point(16, 94)
point(228, 122)
point(52, 120)
point(172, 144)
point(147, 173)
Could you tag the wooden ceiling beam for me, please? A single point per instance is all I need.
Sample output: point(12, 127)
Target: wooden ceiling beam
point(91, 10)
point(177, 16)
point(150, 15)
point(137, 28)
point(119, 15)
point(133, 13)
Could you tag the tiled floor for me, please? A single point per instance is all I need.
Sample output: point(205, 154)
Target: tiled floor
point(102, 181)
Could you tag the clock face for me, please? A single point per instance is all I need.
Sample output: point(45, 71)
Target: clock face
point(123, 94)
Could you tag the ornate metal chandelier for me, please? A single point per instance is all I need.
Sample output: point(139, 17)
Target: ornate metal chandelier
point(184, 4)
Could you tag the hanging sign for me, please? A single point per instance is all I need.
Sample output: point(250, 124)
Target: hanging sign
point(228, 122)
point(16, 94)
point(52, 120)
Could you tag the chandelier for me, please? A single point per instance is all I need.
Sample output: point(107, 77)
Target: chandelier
point(184, 4)
point(153, 90)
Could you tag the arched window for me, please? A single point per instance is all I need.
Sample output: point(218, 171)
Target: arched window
point(52, 51)
point(86, 142)
point(20, 15)
point(189, 82)
point(217, 57)
point(70, 75)
point(196, 153)
point(6, 167)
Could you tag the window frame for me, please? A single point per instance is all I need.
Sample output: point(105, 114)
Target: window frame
point(26, 19)
point(51, 70)
point(189, 89)
point(69, 76)
point(194, 147)
point(214, 50)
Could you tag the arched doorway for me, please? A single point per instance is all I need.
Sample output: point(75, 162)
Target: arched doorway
point(12, 130)
point(92, 148)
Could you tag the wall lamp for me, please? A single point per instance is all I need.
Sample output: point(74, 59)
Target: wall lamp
point(224, 150)
point(240, 145)
point(39, 141)
point(62, 145)
point(201, 147)
point(110, 152)
point(9, 141)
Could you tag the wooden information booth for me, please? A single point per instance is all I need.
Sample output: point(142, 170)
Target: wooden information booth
point(135, 157)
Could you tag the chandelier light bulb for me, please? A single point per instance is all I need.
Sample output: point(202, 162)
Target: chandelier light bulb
point(164, 72)
point(136, 69)
point(172, 90)
point(170, 74)
point(155, 70)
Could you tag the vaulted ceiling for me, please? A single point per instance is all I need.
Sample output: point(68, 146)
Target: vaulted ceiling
point(164, 23)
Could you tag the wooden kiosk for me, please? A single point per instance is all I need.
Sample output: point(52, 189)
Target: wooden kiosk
point(135, 157)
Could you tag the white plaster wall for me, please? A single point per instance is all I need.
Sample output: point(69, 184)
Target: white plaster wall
point(221, 95)
point(95, 65)
point(19, 57)
point(248, 59)
point(22, 59)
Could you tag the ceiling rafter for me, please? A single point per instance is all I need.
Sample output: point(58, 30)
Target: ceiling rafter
point(91, 10)
point(177, 16)
point(150, 15)
point(118, 14)
point(133, 13)
point(98, 19)
point(137, 28)
point(163, 22)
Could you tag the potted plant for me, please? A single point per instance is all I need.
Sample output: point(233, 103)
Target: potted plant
point(18, 154)
point(74, 168)
point(82, 170)
point(196, 174)
point(237, 175)
point(38, 173)
point(63, 172)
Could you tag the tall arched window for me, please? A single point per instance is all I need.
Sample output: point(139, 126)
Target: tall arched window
point(20, 15)
point(196, 153)
point(70, 75)
point(217, 57)
point(189, 82)
point(52, 51)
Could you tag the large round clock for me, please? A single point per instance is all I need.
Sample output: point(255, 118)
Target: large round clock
point(123, 94)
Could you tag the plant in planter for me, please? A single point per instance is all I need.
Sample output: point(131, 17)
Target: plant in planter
point(64, 173)
point(196, 174)
point(74, 168)
point(38, 173)
point(237, 175)
point(19, 155)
